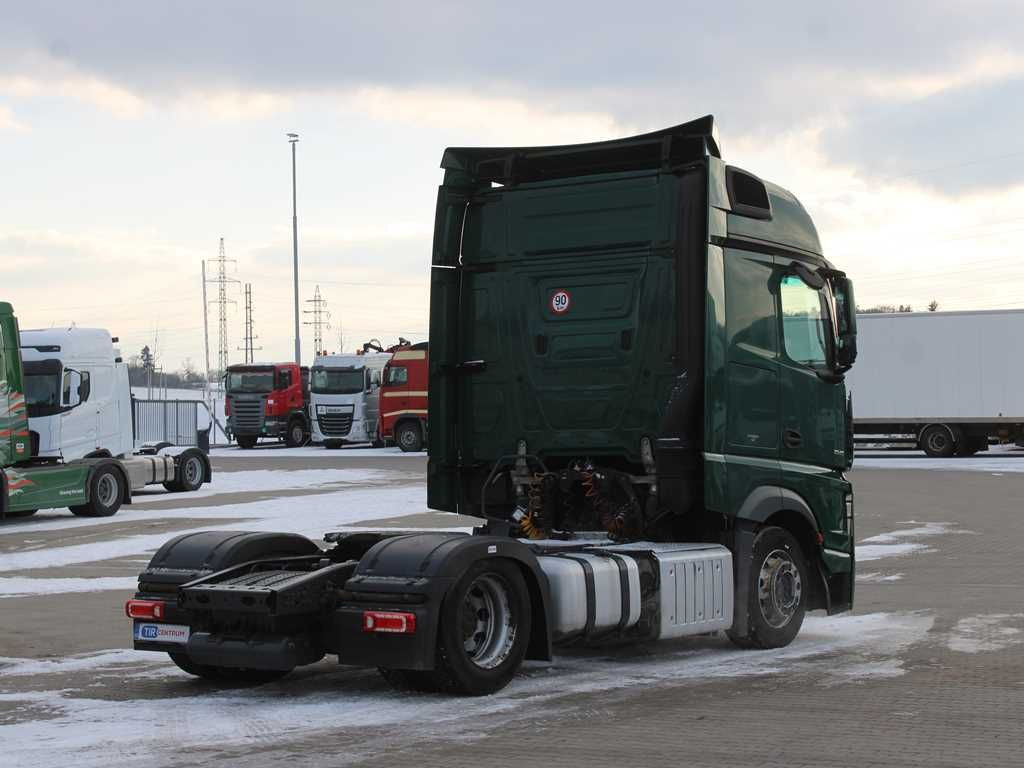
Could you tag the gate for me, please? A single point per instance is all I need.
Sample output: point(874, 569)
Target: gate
point(178, 422)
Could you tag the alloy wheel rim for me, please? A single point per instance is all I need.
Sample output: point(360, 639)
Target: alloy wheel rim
point(488, 627)
point(780, 588)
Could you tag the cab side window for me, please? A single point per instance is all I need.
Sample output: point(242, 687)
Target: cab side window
point(803, 322)
point(397, 376)
point(284, 379)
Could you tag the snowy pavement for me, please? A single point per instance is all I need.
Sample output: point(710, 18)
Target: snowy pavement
point(939, 553)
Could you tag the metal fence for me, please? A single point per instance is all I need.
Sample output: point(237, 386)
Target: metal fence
point(179, 422)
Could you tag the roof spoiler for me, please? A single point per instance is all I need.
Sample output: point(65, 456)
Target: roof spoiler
point(666, 148)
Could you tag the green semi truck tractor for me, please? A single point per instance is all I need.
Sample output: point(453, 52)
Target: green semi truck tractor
point(92, 487)
point(636, 386)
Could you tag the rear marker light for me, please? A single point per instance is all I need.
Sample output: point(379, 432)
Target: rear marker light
point(403, 623)
point(144, 609)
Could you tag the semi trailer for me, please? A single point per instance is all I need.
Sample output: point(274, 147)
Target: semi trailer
point(96, 486)
point(946, 381)
point(637, 359)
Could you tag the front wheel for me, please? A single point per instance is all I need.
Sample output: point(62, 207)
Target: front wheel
point(482, 635)
point(106, 492)
point(296, 434)
point(409, 436)
point(777, 592)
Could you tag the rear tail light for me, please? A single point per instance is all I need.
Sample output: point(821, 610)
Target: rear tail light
point(145, 609)
point(399, 623)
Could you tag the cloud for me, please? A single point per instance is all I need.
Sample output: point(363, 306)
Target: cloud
point(8, 121)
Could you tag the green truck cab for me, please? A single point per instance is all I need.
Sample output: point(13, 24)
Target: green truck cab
point(94, 487)
point(636, 384)
point(639, 307)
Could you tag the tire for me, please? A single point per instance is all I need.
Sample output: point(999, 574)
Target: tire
point(970, 445)
point(106, 492)
point(225, 674)
point(188, 475)
point(296, 434)
point(938, 441)
point(777, 591)
point(409, 436)
point(246, 442)
point(489, 606)
point(21, 513)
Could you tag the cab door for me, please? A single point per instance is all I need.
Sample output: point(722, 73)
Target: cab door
point(813, 402)
point(78, 422)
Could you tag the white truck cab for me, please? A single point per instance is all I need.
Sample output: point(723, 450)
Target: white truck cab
point(345, 398)
point(77, 393)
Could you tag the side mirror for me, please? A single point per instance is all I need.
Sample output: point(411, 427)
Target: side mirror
point(846, 322)
point(71, 395)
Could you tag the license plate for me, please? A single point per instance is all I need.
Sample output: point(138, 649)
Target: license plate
point(152, 632)
point(339, 409)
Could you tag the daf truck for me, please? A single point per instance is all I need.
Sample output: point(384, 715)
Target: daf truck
point(31, 478)
point(948, 382)
point(345, 398)
point(637, 360)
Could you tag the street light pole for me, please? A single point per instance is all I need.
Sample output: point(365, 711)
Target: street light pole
point(293, 139)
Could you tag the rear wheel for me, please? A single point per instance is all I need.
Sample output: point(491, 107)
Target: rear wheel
point(938, 441)
point(409, 436)
point(296, 434)
point(106, 492)
point(482, 634)
point(188, 475)
point(777, 592)
point(246, 441)
point(226, 674)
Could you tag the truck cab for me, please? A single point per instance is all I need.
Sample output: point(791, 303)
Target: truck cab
point(267, 400)
point(403, 397)
point(345, 398)
point(77, 393)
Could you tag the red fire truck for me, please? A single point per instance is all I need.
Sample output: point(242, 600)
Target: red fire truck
point(403, 398)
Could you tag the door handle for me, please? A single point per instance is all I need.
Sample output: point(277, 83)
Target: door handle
point(792, 438)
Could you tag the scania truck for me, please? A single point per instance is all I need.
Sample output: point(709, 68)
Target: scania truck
point(267, 400)
point(637, 356)
point(30, 478)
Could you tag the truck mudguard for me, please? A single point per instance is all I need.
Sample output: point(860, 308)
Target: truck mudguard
point(431, 563)
point(192, 555)
point(765, 500)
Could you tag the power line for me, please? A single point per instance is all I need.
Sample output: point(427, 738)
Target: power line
point(222, 282)
point(321, 320)
point(248, 349)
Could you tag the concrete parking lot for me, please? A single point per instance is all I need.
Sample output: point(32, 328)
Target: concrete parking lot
point(928, 670)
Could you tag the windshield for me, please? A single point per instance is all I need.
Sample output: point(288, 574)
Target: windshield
point(42, 394)
point(250, 381)
point(337, 381)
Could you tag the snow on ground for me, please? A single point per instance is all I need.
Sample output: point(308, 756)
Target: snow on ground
point(894, 544)
point(987, 632)
point(13, 586)
point(308, 515)
point(998, 460)
point(194, 716)
point(263, 480)
point(876, 577)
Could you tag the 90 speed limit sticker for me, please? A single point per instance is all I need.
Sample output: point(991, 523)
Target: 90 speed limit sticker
point(560, 302)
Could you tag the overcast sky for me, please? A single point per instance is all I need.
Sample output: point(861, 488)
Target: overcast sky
point(133, 135)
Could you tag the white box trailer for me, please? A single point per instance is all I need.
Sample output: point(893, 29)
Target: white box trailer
point(951, 380)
